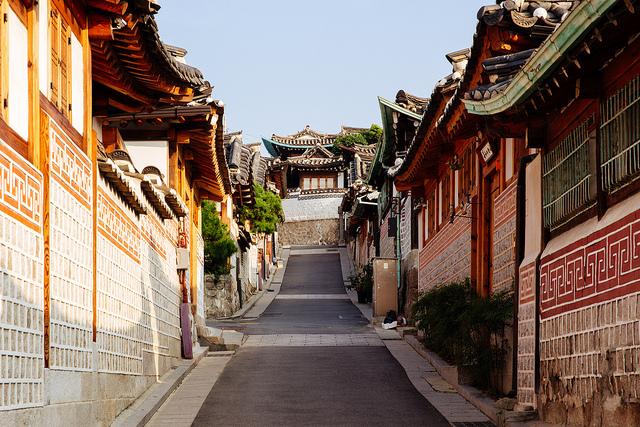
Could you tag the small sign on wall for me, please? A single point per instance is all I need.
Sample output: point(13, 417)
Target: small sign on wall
point(487, 151)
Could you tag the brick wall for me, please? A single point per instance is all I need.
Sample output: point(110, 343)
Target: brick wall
point(504, 237)
point(590, 321)
point(446, 257)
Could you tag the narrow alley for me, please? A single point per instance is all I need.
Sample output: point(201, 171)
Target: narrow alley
point(312, 358)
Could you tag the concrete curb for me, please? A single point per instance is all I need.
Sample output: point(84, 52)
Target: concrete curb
point(450, 374)
point(141, 411)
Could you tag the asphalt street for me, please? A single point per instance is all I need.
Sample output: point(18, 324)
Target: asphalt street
point(296, 374)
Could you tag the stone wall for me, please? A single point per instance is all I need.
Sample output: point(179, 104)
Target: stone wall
point(314, 232)
point(590, 321)
point(387, 244)
point(221, 295)
point(409, 274)
point(446, 257)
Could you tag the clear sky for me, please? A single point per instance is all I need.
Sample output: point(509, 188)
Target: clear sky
point(280, 65)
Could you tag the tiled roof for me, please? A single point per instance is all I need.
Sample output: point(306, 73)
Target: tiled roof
point(306, 138)
point(531, 23)
point(526, 25)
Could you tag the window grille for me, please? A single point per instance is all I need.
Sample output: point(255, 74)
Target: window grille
point(567, 177)
point(620, 136)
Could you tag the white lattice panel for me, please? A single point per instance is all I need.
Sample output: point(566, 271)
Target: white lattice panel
point(200, 273)
point(138, 290)
point(120, 310)
point(21, 315)
point(71, 254)
point(162, 290)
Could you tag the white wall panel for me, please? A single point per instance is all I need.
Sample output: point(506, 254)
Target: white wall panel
point(77, 85)
point(18, 92)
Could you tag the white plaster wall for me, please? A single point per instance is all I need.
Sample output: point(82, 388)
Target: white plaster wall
point(18, 92)
point(43, 46)
point(149, 153)
point(77, 85)
point(309, 209)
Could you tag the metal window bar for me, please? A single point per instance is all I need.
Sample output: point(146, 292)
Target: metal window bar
point(620, 137)
point(566, 177)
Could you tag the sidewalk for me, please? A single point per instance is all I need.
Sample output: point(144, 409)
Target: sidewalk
point(183, 405)
point(424, 377)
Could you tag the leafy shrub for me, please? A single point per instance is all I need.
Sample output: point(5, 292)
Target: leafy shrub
point(218, 244)
point(362, 281)
point(265, 214)
point(466, 329)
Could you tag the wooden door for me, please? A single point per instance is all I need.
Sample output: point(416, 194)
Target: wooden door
point(492, 189)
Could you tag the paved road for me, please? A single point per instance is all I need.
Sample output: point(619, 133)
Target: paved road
point(312, 359)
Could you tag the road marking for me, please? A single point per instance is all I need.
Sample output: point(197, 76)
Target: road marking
point(312, 296)
point(313, 340)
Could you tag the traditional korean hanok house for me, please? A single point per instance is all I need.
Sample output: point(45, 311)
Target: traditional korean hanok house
point(572, 107)
point(436, 187)
point(397, 214)
point(440, 169)
point(246, 168)
point(358, 212)
point(358, 158)
point(90, 294)
point(311, 180)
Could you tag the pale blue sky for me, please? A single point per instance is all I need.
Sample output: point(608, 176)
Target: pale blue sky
point(280, 65)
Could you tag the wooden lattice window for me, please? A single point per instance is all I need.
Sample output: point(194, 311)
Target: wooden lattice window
point(567, 177)
point(446, 197)
point(431, 215)
point(620, 136)
point(466, 175)
point(60, 57)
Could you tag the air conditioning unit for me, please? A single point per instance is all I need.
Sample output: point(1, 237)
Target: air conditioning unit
point(183, 260)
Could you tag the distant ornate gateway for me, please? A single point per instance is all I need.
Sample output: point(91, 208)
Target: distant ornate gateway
point(311, 178)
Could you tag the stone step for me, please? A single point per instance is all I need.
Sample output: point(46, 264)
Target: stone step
point(222, 353)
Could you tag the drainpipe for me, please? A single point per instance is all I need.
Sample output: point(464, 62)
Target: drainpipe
point(519, 256)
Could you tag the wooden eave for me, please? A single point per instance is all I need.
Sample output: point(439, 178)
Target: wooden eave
point(443, 119)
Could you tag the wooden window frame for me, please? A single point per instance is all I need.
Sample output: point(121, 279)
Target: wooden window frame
point(8, 134)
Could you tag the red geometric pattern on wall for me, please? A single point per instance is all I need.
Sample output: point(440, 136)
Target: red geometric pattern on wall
point(20, 188)
point(599, 267)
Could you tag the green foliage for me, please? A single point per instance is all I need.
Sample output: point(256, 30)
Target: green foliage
point(265, 214)
point(218, 244)
point(362, 281)
point(466, 329)
point(373, 135)
point(370, 136)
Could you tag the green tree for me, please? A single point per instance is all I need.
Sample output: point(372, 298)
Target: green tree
point(373, 135)
point(265, 214)
point(218, 244)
